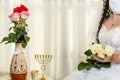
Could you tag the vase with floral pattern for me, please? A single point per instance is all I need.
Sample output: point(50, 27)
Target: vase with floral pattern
point(18, 67)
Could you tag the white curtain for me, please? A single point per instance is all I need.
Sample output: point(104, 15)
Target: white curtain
point(60, 27)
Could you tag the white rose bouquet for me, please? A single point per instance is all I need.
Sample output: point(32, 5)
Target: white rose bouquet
point(101, 52)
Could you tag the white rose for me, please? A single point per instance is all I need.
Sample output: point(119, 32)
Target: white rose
point(109, 50)
point(97, 45)
point(99, 50)
point(101, 53)
point(96, 48)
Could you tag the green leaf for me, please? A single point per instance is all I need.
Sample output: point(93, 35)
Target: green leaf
point(97, 64)
point(88, 66)
point(106, 65)
point(88, 52)
point(91, 61)
point(19, 35)
point(81, 66)
point(26, 38)
point(24, 43)
point(10, 28)
point(26, 25)
point(12, 37)
point(4, 39)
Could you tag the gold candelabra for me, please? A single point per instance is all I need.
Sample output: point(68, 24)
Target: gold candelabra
point(43, 59)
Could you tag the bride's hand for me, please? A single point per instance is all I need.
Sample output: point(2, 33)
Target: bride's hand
point(107, 59)
point(116, 58)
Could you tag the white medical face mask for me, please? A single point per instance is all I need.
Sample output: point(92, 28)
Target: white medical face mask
point(115, 6)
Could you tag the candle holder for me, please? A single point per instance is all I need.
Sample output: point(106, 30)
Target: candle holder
point(43, 59)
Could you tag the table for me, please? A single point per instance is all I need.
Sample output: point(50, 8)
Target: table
point(6, 76)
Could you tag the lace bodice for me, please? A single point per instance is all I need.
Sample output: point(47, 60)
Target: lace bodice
point(110, 37)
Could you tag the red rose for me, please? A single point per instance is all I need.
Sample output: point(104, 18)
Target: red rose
point(23, 8)
point(20, 9)
point(17, 9)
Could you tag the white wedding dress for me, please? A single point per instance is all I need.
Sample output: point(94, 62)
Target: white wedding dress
point(106, 37)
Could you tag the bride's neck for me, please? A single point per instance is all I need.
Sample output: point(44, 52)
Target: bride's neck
point(113, 21)
point(116, 19)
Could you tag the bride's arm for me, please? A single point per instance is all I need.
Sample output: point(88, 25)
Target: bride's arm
point(116, 58)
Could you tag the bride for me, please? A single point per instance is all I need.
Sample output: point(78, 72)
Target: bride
point(108, 34)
